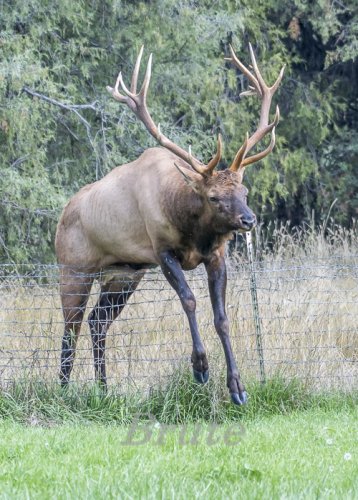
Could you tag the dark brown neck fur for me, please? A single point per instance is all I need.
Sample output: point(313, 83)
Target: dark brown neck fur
point(186, 211)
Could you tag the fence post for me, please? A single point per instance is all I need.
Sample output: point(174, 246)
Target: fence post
point(255, 307)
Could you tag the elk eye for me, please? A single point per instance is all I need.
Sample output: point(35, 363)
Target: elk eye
point(213, 198)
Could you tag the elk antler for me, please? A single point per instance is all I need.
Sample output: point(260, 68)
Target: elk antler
point(260, 88)
point(137, 103)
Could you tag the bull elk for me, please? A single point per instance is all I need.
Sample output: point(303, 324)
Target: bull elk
point(165, 209)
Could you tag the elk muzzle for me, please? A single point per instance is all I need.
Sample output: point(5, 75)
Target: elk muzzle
point(247, 221)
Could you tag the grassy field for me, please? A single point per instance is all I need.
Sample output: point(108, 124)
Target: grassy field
point(180, 441)
point(304, 454)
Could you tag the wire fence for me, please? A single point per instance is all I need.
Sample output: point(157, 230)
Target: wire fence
point(307, 312)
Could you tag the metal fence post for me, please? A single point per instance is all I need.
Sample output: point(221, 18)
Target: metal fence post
point(255, 307)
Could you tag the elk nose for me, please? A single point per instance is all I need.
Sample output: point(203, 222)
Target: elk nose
point(249, 221)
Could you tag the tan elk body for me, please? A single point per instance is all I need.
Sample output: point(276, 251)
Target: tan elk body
point(167, 209)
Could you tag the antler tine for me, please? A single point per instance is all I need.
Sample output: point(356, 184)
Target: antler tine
point(207, 170)
point(125, 89)
point(148, 73)
point(198, 167)
point(215, 160)
point(234, 59)
point(136, 71)
point(278, 81)
point(251, 91)
point(261, 132)
point(241, 161)
point(115, 92)
point(259, 77)
point(191, 160)
point(137, 103)
point(240, 155)
point(262, 154)
point(132, 93)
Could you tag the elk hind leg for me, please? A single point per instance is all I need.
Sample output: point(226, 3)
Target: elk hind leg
point(114, 295)
point(75, 289)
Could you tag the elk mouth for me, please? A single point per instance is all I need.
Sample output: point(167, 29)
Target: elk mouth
point(246, 224)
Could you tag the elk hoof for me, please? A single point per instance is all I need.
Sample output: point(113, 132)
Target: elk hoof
point(239, 399)
point(201, 377)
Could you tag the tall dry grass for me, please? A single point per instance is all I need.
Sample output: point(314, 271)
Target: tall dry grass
point(307, 286)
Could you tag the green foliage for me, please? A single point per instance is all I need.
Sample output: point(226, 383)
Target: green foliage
point(69, 52)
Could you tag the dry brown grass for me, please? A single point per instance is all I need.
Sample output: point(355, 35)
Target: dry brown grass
point(308, 297)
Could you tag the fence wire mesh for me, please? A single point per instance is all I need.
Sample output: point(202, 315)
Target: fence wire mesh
point(308, 325)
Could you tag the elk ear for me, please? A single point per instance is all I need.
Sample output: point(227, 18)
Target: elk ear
point(191, 182)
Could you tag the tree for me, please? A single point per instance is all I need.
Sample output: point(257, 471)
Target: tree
point(69, 51)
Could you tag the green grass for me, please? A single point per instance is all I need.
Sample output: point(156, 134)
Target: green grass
point(288, 442)
point(181, 401)
point(304, 454)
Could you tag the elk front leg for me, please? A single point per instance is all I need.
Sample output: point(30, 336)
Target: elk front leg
point(216, 270)
point(174, 274)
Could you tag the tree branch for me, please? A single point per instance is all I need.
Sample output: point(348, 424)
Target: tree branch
point(94, 106)
point(68, 107)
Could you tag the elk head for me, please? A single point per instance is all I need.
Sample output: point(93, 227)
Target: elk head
point(222, 192)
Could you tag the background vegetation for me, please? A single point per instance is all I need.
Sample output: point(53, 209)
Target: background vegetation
point(69, 51)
